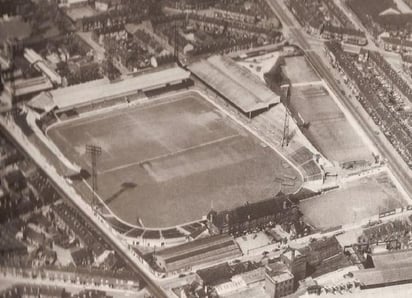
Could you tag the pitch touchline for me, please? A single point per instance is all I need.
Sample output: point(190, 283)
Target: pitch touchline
point(169, 154)
point(303, 84)
point(104, 115)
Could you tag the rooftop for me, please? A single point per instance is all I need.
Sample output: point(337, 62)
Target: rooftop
point(196, 247)
point(11, 28)
point(397, 41)
point(32, 85)
point(251, 211)
point(381, 277)
point(37, 61)
point(343, 30)
point(215, 275)
point(77, 13)
point(236, 83)
point(100, 89)
point(8, 243)
point(278, 272)
point(392, 259)
point(224, 272)
point(331, 244)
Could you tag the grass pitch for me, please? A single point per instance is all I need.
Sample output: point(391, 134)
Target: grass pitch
point(298, 70)
point(355, 201)
point(168, 161)
point(329, 130)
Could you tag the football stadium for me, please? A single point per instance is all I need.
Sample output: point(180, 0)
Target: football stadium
point(168, 154)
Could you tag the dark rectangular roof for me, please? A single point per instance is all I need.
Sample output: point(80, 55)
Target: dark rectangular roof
point(8, 243)
point(34, 235)
point(251, 211)
point(216, 274)
point(397, 41)
point(196, 245)
point(342, 30)
point(200, 251)
point(324, 244)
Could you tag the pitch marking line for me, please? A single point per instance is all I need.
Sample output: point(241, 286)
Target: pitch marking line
point(102, 114)
point(304, 84)
point(255, 133)
point(169, 154)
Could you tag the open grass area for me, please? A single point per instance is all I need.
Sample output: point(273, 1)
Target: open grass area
point(298, 70)
point(168, 161)
point(329, 130)
point(355, 201)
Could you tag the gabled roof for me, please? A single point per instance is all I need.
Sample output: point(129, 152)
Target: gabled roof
point(381, 277)
point(103, 89)
point(391, 259)
point(397, 41)
point(390, 11)
point(237, 84)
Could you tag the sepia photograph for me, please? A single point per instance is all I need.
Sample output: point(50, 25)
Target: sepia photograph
point(205, 148)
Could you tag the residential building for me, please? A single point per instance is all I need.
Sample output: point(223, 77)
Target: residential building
point(279, 281)
point(296, 263)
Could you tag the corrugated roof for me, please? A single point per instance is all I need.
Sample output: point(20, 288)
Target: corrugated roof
point(84, 93)
point(397, 258)
point(43, 101)
point(376, 277)
point(99, 89)
point(192, 246)
point(236, 83)
point(27, 86)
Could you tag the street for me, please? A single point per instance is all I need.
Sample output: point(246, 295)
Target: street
point(66, 191)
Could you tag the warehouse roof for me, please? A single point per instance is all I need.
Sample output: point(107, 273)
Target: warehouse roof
point(391, 259)
point(37, 61)
point(381, 277)
point(198, 251)
point(235, 83)
point(32, 85)
point(173, 252)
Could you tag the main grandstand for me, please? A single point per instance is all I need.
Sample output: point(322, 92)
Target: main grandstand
point(240, 87)
point(102, 90)
point(236, 84)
